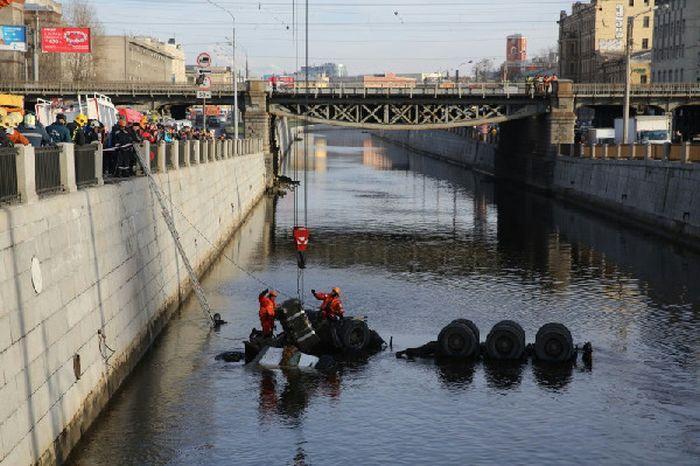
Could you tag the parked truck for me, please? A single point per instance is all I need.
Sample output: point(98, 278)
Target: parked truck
point(648, 129)
point(600, 136)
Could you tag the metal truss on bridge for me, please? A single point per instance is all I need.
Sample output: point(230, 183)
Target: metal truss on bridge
point(405, 115)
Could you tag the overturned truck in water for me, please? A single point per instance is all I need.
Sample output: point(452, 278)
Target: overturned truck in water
point(313, 335)
point(505, 342)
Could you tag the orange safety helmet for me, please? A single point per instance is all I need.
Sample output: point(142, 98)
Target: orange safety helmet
point(336, 290)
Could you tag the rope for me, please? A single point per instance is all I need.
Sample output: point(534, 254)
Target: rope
point(239, 267)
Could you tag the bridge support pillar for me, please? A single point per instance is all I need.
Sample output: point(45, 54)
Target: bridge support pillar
point(257, 121)
point(562, 118)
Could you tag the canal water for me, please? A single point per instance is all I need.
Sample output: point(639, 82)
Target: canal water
point(415, 243)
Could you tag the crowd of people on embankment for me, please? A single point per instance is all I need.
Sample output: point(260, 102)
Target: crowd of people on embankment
point(16, 129)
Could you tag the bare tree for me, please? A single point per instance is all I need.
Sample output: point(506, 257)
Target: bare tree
point(483, 69)
point(80, 67)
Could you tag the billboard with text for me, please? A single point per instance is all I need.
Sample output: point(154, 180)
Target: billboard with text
point(65, 40)
point(13, 38)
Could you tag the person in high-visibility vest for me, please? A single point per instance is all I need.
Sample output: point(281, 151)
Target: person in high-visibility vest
point(268, 311)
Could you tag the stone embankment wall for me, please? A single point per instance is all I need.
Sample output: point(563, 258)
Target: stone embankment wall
point(106, 277)
point(661, 194)
point(456, 147)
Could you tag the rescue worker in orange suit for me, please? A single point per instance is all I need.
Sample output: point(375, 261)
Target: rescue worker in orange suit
point(268, 309)
point(331, 307)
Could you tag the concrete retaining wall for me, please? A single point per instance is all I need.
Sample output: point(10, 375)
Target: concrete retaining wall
point(662, 194)
point(107, 263)
point(447, 146)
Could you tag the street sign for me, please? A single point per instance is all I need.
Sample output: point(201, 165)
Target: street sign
point(203, 82)
point(204, 94)
point(203, 71)
point(204, 60)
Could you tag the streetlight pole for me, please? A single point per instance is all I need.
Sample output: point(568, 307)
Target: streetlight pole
point(628, 69)
point(628, 72)
point(233, 66)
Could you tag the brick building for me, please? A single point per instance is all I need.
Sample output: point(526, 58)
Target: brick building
point(595, 33)
point(676, 55)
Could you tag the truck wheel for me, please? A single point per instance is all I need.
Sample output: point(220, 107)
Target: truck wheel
point(457, 340)
point(354, 334)
point(472, 326)
point(506, 341)
point(553, 343)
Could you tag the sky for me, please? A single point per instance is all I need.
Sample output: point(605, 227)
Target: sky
point(368, 36)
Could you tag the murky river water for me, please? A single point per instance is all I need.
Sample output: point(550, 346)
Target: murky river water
point(414, 243)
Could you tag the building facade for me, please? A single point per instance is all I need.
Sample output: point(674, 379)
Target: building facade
point(139, 59)
point(596, 32)
point(676, 55)
point(387, 80)
point(217, 74)
point(40, 14)
point(329, 70)
point(12, 63)
point(613, 69)
point(516, 55)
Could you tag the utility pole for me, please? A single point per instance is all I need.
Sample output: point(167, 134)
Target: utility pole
point(628, 84)
point(235, 79)
point(233, 64)
point(628, 67)
point(36, 46)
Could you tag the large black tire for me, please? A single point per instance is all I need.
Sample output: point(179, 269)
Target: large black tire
point(472, 326)
point(354, 334)
point(553, 343)
point(314, 317)
point(457, 340)
point(506, 341)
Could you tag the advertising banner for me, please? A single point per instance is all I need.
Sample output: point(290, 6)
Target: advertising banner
point(65, 40)
point(13, 38)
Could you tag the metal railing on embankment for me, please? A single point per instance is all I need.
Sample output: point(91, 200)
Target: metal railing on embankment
point(67, 168)
point(683, 153)
point(85, 169)
point(47, 169)
point(8, 174)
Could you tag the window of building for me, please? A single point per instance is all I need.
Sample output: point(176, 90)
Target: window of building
point(645, 44)
point(643, 79)
point(631, 2)
point(646, 22)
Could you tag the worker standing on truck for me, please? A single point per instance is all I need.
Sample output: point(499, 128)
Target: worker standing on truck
point(332, 306)
point(267, 313)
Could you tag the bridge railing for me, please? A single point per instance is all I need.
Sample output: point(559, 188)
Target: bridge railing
point(656, 89)
point(683, 152)
point(109, 88)
point(27, 172)
point(436, 90)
